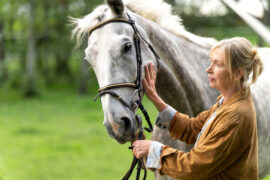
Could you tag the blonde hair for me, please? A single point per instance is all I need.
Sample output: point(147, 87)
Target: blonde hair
point(241, 55)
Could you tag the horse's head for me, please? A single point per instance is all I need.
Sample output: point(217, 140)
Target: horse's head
point(111, 51)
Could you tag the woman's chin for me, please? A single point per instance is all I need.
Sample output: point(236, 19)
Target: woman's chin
point(212, 85)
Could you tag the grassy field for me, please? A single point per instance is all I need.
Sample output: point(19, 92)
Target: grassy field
point(58, 136)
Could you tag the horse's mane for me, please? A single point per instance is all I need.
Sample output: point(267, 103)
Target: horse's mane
point(156, 10)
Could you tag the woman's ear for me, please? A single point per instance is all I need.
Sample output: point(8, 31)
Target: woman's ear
point(116, 6)
point(238, 74)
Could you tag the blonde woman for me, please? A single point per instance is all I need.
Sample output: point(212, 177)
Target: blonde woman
point(225, 136)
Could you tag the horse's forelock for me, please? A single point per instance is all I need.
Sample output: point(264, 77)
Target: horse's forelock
point(83, 25)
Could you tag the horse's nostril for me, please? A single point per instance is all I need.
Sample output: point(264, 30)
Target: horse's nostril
point(127, 123)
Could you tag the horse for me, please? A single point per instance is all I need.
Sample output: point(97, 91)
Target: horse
point(181, 78)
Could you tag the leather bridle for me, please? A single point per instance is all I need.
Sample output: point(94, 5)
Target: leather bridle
point(137, 85)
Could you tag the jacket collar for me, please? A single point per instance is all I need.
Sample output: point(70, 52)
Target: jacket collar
point(234, 98)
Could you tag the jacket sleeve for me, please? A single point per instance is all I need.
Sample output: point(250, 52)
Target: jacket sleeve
point(218, 151)
point(186, 129)
point(165, 117)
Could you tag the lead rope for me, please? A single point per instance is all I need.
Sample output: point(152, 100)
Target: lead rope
point(136, 161)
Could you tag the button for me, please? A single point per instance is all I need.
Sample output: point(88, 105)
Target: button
point(157, 120)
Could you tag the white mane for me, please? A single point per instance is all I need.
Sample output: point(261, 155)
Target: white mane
point(83, 25)
point(156, 10)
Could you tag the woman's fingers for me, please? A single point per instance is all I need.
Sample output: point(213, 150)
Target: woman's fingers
point(138, 153)
point(152, 72)
point(136, 150)
point(149, 81)
point(145, 84)
point(150, 69)
point(141, 148)
point(147, 74)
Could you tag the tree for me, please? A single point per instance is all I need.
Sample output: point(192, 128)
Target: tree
point(3, 68)
point(172, 2)
point(38, 37)
point(266, 17)
point(31, 89)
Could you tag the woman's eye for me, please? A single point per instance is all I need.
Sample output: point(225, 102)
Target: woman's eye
point(127, 47)
point(216, 64)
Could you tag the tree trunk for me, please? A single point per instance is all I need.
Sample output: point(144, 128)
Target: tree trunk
point(266, 19)
point(31, 89)
point(84, 69)
point(62, 66)
point(45, 68)
point(3, 68)
point(260, 42)
point(63, 69)
point(172, 2)
point(83, 77)
point(84, 74)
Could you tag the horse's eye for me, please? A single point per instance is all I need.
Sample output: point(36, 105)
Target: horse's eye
point(127, 47)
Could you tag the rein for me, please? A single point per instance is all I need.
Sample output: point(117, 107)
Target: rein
point(137, 85)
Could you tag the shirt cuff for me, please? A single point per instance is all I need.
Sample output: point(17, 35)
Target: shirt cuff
point(165, 117)
point(153, 158)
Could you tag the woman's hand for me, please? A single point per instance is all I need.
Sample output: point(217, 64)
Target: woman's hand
point(141, 148)
point(149, 81)
point(150, 88)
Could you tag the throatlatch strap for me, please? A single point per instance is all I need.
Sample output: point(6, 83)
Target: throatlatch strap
point(147, 118)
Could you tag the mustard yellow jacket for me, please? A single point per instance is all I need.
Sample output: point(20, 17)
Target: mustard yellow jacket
point(228, 148)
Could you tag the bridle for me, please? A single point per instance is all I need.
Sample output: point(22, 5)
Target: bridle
point(137, 85)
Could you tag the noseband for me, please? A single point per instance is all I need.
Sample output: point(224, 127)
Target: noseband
point(137, 85)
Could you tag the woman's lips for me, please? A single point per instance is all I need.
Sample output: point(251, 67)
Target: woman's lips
point(211, 79)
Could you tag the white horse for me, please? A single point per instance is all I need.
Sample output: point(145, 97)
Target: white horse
point(181, 78)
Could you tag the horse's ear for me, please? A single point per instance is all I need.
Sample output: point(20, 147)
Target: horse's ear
point(116, 6)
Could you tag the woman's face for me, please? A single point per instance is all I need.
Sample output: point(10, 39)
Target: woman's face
point(218, 74)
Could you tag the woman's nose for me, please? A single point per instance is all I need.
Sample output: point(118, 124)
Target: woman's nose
point(209, 69)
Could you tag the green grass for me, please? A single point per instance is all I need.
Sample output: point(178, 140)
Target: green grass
point(58, 136)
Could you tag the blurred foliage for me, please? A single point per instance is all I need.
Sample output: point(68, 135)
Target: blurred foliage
point(56, 61)
point(218, 26)
point(54, 48)
point(193, 21)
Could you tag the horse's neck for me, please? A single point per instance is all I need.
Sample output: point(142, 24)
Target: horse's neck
point(182, 81)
